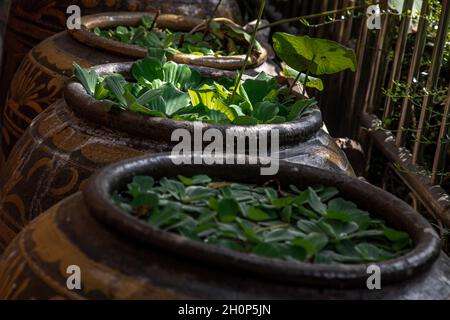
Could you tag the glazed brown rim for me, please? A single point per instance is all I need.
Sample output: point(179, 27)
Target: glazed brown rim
point(169, 21)
point(83, 104)
point(395, 212)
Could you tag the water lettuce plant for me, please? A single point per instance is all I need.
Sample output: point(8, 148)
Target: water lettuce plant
point(170, 90)
point(313, 225)
point(216, 39)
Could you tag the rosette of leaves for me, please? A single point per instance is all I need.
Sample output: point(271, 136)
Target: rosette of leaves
point(313, 225)
point(217, 39)
point(170, 90)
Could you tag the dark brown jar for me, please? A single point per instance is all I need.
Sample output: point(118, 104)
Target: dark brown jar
point(44, 71)
point(31, 21)
point(121, 257)
point(67, 142)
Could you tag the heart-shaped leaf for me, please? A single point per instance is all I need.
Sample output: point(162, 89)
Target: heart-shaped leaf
point(316, 56)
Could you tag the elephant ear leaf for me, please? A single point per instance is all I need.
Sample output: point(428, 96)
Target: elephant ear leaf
point(316, 56)
point(88, 78)
point(311, 82)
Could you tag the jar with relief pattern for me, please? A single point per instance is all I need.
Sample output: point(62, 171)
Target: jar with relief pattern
point(76, 136)
point(121, 257)
point(42, 74)
point(32, 21)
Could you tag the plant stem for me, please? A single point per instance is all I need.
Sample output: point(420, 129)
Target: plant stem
point(154, 20)
point(312, 16)
point(215, 11)
point(294, 83)
point(305, 82)
point(213, 14)
point(250, 49)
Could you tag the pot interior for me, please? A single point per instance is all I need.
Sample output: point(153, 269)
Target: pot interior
point(378, 202)
point(165, 21)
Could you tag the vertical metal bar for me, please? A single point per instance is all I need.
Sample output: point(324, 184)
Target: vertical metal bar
point(399, 53)
point(435, 68)
point(413, 72)
point(441, 148)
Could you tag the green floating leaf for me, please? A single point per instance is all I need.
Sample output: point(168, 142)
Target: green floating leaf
point(115, 84)
point(315, 202)
point(256, 90)
point(395, 235)
point(256, 214)
point(195, 180)
point(227, 209)
point(299, 107)
point(171, 99)
point(328, 193)
point(338, 215)
point(245, 121)
point(265, 111)
point(370, 252)
point(149, 69)
point(147, 22)
point(88, 78)
point(159, 218)
point(140, 184)
point(149, 200)
point(181, 75)
point(267, 250)
point(312, 243)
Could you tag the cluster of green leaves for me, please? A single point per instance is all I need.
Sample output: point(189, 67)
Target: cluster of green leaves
point(313, 225)
point(177, 91)
point(217, 40)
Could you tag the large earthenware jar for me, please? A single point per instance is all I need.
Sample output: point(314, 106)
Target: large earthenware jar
point(76, 136)
point(121, 257)
point(42, 74)
point(32, 21)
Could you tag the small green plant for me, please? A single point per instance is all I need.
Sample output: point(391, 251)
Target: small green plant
point(312, 225)
point(170, 90)
point(303, 56)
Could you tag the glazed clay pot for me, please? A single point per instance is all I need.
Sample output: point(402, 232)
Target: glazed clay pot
point(122, 257)
point(32, 21)
point(76, 136)
point(41, 76)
